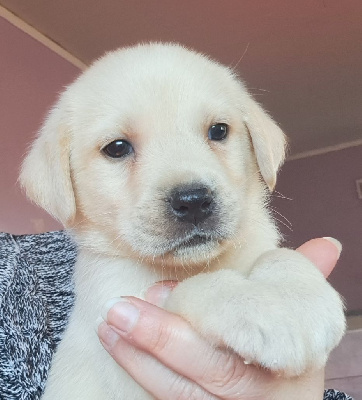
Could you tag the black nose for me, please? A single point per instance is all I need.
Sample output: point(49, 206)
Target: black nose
point(192, 204)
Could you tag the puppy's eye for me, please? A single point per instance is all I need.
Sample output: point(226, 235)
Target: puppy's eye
point(218, 131)
point(118, 148)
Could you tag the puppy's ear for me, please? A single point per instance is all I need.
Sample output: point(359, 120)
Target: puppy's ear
point(45, 173)
point(268, 140)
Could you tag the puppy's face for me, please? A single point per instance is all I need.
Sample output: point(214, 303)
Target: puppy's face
point(154, 158)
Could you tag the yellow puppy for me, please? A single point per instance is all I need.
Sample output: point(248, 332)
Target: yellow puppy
point(159, 164)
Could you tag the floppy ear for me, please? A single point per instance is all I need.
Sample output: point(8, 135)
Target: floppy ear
point(268, 140)
point(45, 173)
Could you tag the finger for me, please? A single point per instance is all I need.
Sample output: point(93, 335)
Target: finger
point(158, 293)
point(323, 252)
point(149, 373)
point(171, 340)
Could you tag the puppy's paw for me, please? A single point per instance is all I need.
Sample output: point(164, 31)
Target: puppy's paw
point(284, 317)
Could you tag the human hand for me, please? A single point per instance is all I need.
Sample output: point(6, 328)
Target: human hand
point(170, 360)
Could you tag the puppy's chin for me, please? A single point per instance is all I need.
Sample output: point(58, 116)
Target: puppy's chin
point(196, 251)
point(192, 255)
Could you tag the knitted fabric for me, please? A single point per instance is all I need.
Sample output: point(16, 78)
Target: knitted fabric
point(332, 394)
point(36, 297)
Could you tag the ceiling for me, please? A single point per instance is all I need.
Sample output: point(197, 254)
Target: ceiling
point(301, 59)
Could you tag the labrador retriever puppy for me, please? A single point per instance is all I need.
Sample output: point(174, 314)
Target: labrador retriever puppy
point(159, 163)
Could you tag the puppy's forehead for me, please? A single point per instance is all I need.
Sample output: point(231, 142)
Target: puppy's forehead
point(156, 75)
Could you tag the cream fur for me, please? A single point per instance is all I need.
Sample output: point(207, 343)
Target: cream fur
point(270, 305)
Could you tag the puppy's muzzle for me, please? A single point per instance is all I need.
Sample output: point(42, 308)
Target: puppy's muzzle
point(192, 204)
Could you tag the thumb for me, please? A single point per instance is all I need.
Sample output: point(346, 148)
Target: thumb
point(323, 252)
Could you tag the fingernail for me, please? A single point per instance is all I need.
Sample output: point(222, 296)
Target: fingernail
point(107, 335)
point(108, 305)
point(158, 293)
point(336, 242)
point(120, 314)
point(97, 324)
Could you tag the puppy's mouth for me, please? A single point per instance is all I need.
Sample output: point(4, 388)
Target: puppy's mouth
point(194, 241)
point(194, 245)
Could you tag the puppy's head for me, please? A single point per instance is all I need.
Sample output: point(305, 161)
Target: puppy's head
point(155, 152)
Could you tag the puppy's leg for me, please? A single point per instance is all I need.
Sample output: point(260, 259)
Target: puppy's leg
point(284, 316)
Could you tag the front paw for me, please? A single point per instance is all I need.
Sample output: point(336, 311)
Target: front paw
point(285, 329)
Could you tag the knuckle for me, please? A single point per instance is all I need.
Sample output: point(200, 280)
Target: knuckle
point(160, 339)
point(180, 389)
point(183, 389)
point(225, 380)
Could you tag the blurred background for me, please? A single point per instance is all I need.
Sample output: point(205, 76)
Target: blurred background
point(302, 60)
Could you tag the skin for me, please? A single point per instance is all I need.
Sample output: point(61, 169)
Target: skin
point(170, 360)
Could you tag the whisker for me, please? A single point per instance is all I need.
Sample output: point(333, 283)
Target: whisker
point(280, 195)
point(282, 216)
point(261, 90)
point(283, 223)
point(241, 58)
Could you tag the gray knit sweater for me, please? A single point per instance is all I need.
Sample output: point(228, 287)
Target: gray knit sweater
point(36, 297)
